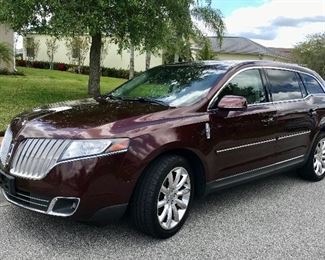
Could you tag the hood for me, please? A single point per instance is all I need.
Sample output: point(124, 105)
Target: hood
point(79, 118)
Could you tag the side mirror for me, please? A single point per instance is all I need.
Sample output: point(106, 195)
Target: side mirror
point(232, 103)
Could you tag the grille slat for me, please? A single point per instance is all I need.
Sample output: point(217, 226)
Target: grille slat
point(21, 157)
point(32, 148)
point(34, 158)
point(5, 146)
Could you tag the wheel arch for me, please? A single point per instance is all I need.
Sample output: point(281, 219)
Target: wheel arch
point(196, 163)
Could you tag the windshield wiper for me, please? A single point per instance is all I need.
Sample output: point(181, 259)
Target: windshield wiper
point(110, 96)
point(148, 100)
point(138, 99)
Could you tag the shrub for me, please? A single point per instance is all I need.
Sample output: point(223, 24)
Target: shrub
point(106, 72)
point(21, 63)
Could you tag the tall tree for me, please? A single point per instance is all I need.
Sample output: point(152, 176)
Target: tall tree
point(311, 53)
point(78, 48)
point(131, 73)
point(206, 53)
point(52, 46)
point(148, 59)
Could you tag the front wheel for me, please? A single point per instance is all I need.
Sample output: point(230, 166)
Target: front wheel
point(163, 197)
point(314, 169)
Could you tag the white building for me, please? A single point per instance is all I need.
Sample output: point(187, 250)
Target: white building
point(111, 59)
point(7, 36)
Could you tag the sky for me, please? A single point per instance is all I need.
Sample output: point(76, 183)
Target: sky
point(272, 23)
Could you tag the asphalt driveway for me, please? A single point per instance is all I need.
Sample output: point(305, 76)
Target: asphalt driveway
point(279, 217)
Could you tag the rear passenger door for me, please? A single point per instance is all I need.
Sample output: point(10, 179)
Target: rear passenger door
point(295, 117)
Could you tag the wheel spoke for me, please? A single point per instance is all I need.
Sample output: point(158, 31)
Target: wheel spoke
point(175, 213)
point(170, 180)
point(169, 217)
point(161, 203)
point(323, 146)
point(182, 182)
point(183, 192)
point(163, 214)
point(178, 176)
point(163, 189)
point(181, 204)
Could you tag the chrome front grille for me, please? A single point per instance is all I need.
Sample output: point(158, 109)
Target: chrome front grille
point(5, 146)
point(34, 158)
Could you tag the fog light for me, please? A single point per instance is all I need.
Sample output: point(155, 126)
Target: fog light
point(63, 207)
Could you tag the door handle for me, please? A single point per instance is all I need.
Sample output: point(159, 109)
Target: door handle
point(267, 120)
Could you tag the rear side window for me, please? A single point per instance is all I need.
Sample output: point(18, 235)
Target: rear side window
point(284, 85)
point(247, 84)
point(311, 84)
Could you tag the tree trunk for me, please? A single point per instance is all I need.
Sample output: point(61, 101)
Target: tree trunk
point(131, 73)
point(148, 59)
point(176, 58)
point(94, 65)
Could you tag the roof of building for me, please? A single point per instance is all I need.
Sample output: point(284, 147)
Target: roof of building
point(287, 52)
point(241, 45)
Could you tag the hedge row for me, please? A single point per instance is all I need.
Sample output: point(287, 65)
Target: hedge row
point(106, 72)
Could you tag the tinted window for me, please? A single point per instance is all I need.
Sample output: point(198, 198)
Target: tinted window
point(174, 85)
point(247, 84)
point(284, 85)
point(311, 84)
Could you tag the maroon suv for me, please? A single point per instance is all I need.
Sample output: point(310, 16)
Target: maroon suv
point(157, 141)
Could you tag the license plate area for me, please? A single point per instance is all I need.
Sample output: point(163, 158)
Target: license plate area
point(7, 182)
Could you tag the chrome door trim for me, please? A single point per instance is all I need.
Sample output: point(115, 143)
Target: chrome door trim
point(294, 135)
point(263, 142)
point(245, 145)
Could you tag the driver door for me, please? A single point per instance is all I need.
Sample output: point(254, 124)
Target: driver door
point(244, 140)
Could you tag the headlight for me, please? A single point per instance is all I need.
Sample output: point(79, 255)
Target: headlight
point(85, 148)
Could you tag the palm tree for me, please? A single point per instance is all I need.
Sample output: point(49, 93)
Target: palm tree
point(177, 46)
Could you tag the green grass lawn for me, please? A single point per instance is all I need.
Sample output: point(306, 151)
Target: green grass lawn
point(38, 87)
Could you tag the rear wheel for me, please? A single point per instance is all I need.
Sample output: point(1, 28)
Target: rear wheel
point(314, 169)
point(163, 197)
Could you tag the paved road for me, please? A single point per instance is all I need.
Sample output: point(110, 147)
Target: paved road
point(279, 217)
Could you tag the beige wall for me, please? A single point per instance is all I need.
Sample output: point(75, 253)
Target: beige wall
point(112, 59)
point(7, 36)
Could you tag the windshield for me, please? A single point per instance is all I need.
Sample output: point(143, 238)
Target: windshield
point(171, 85)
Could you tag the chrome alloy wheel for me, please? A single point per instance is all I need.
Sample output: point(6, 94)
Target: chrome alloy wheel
point(319, 158)
point(173, 198)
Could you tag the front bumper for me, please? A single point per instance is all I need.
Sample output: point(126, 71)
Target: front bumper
point(45, 206)
point(96, 186)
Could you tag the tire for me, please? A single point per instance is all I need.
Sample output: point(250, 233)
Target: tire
point(157, 185)
point(314, 169)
